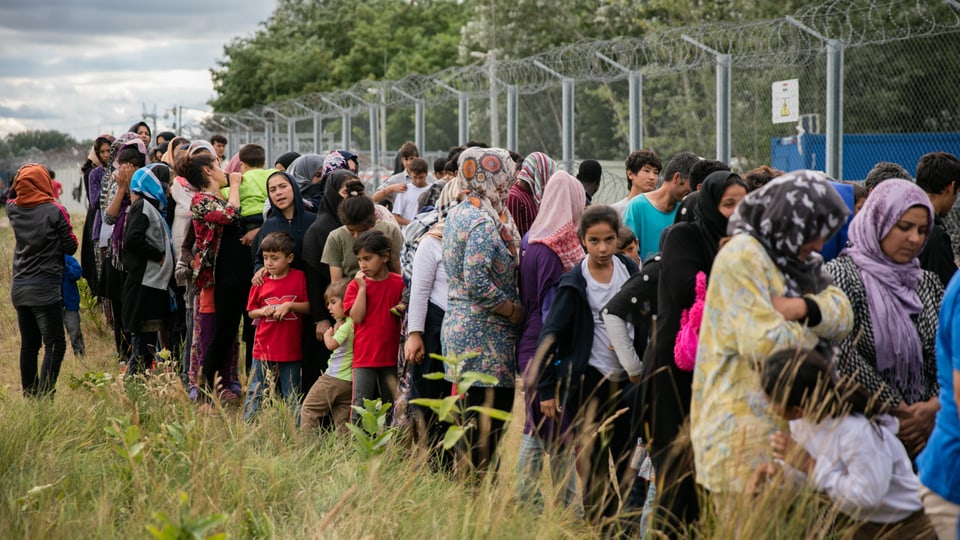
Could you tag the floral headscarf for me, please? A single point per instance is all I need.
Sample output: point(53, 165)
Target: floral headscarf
point(785, 214)
point(536, 171)
point(487, 174)
point(891, 287)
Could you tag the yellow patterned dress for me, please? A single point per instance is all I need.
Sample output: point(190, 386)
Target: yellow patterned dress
point(730, 418)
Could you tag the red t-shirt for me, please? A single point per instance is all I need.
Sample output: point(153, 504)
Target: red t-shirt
point(278, 341)
point(376, 341)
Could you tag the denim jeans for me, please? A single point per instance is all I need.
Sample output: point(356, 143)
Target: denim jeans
point(288, 375)
point(530, 468)
point(41, 325)
point(71, 320)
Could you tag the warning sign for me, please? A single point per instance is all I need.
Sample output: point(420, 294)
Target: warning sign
point(786, 101)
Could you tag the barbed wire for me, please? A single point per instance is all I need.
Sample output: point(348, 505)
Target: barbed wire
point(753, 44)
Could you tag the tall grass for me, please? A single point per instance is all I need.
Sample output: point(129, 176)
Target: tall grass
point(107, 457)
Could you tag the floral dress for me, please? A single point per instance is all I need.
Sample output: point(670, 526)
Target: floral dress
point(481, 273)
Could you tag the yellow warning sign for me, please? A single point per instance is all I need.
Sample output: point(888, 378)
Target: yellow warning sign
point(786, 101)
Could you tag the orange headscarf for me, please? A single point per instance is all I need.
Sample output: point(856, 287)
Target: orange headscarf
point(33, 186)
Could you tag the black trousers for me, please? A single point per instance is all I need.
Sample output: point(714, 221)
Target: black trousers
point(41, 325)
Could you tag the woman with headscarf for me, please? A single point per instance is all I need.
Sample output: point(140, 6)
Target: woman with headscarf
point(480, 249)
point(114, 205)
point(142, 129)
point(688, 250)
point(318, 273)
point(43, 235)
point(549, 250)
point(336, 160)
point(306, 169)
point(523, 201)
point(148, 260)
point(93, 170)
point(768, 292)
point(891, 351)
point(283, 162)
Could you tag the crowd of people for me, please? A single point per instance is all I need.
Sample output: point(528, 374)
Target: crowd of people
point(709, 335)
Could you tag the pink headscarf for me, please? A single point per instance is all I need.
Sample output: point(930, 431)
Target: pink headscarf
point(556, 226)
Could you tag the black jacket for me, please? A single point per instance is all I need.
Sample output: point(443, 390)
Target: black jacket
point(563, 351)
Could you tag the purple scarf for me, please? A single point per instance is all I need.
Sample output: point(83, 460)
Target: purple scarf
point(891, 287)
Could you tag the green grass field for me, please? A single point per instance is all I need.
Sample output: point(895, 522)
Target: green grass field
point(108, 458)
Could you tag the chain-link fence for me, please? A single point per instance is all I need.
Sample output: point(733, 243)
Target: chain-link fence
point(875, 80)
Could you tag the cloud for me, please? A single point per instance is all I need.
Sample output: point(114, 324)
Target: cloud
point(87, 67)
point(23, 111)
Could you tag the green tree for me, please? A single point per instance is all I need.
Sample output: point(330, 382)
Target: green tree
point(17, 144)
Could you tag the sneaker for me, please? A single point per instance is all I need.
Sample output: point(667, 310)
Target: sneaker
point(227, 395)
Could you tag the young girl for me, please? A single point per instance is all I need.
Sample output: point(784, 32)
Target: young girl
point(369, 297)
point(847, 447)
point(579, 371)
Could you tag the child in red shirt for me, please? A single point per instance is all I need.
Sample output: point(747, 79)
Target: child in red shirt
point(368, 300)
point(277, 306)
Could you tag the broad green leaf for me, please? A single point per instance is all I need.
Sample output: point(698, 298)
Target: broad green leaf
point(454, 434)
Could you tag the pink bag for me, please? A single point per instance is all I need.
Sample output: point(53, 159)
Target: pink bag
point(685, 349)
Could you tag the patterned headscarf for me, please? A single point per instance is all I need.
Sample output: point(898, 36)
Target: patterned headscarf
point(32, 186)
point(557, 228)
point(338, 159)
point(891, 287)
point(487, 174)
point(448, 198)
point(149, 182)
point(536, 170)
point(785, 214)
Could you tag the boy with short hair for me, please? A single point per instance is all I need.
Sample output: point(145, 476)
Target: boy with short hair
point(397, 183)
point(406, 205)
point(253, 189)
point(643, 169)
point(278, 305)
point(332, 394)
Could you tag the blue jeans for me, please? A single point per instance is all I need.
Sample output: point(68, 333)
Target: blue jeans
point(530, 467)
point(41, 325)
point(286, 373)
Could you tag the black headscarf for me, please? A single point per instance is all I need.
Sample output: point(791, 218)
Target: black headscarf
point(707, 216)
point(295, 226)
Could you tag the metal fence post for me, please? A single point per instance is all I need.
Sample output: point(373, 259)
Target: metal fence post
point(566, 119)
point(722, 111)
point(513, 120)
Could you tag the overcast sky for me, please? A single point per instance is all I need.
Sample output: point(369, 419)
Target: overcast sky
point(86, 67)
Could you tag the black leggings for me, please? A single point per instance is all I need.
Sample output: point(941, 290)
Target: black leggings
point(483, 440)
